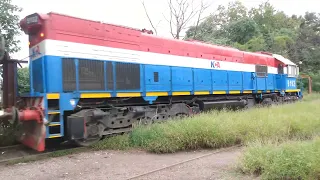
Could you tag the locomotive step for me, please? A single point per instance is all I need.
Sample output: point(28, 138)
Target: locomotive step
point(51, 112)
point(54, 124)
point(55, 135)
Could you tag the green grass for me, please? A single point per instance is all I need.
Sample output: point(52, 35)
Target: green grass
point(115, 143)
point(310, 97)
point(223, 129)
point(290, 160)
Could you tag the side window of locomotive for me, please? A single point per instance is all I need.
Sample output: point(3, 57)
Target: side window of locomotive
point(292, 71)
point(280, 69)
point(261, 71)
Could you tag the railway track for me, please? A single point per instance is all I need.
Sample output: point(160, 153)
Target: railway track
point(20, 153)
point(184, 162)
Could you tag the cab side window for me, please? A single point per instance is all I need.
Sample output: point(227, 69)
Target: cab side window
point(280, 69)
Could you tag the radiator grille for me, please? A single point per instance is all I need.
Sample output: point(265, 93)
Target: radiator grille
point(68, 74)
point(91, 75)
point(128, 76)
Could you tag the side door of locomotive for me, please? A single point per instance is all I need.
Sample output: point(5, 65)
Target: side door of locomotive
point(261, 76)
point(280, 78)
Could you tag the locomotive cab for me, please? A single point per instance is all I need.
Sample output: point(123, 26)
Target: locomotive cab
point(289, 73)
point(292, 70)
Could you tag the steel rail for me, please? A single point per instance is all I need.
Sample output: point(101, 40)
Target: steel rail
point(188, 160)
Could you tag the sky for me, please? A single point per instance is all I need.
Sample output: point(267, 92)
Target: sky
point(131, 12)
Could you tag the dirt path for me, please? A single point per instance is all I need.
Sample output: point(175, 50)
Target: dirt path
point(123, 165)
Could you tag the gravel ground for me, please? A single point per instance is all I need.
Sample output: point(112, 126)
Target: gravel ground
point(123, 165)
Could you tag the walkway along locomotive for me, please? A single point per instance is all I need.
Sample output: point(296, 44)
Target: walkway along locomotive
point(90, 79)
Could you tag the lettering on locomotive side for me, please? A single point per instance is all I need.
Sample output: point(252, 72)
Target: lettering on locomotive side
point(215, 64)
point(291, 83)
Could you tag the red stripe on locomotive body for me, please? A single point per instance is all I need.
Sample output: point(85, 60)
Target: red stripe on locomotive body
point(77, 30)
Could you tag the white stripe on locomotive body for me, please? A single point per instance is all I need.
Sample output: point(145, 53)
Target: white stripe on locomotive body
point(78, 50)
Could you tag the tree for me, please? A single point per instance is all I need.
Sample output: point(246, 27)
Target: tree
point(307, 46)
point(23, 80)
point(149, 18)
point(262, 27)
point(253, 45)
point(217, 27)
point(242, 30)
point(9, 24)
point(181, 13)
point(235, 12)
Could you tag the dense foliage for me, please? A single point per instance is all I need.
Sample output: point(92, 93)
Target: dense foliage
point(23, 80)
point(9, 24)
point(264, 28)
point(9, 29)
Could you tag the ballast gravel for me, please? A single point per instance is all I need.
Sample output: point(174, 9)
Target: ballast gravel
point(120, 165)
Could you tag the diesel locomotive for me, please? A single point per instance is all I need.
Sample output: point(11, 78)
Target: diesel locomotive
point(90, 79)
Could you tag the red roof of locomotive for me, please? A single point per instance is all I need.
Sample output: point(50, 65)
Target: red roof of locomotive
point(73, 29)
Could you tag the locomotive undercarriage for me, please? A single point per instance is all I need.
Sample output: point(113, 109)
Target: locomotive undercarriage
point(117, 116)
point(117, 120)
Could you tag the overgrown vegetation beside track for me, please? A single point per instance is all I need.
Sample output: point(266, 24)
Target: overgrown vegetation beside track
point(222, 129)
point(311, 97)
point(290, 160)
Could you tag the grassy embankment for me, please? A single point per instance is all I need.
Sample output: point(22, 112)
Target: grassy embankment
point(289, 160)
point(293, 159)
point(282, 142)
point(222, 129)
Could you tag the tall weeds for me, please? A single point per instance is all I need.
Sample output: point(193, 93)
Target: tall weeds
point(222, 129)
